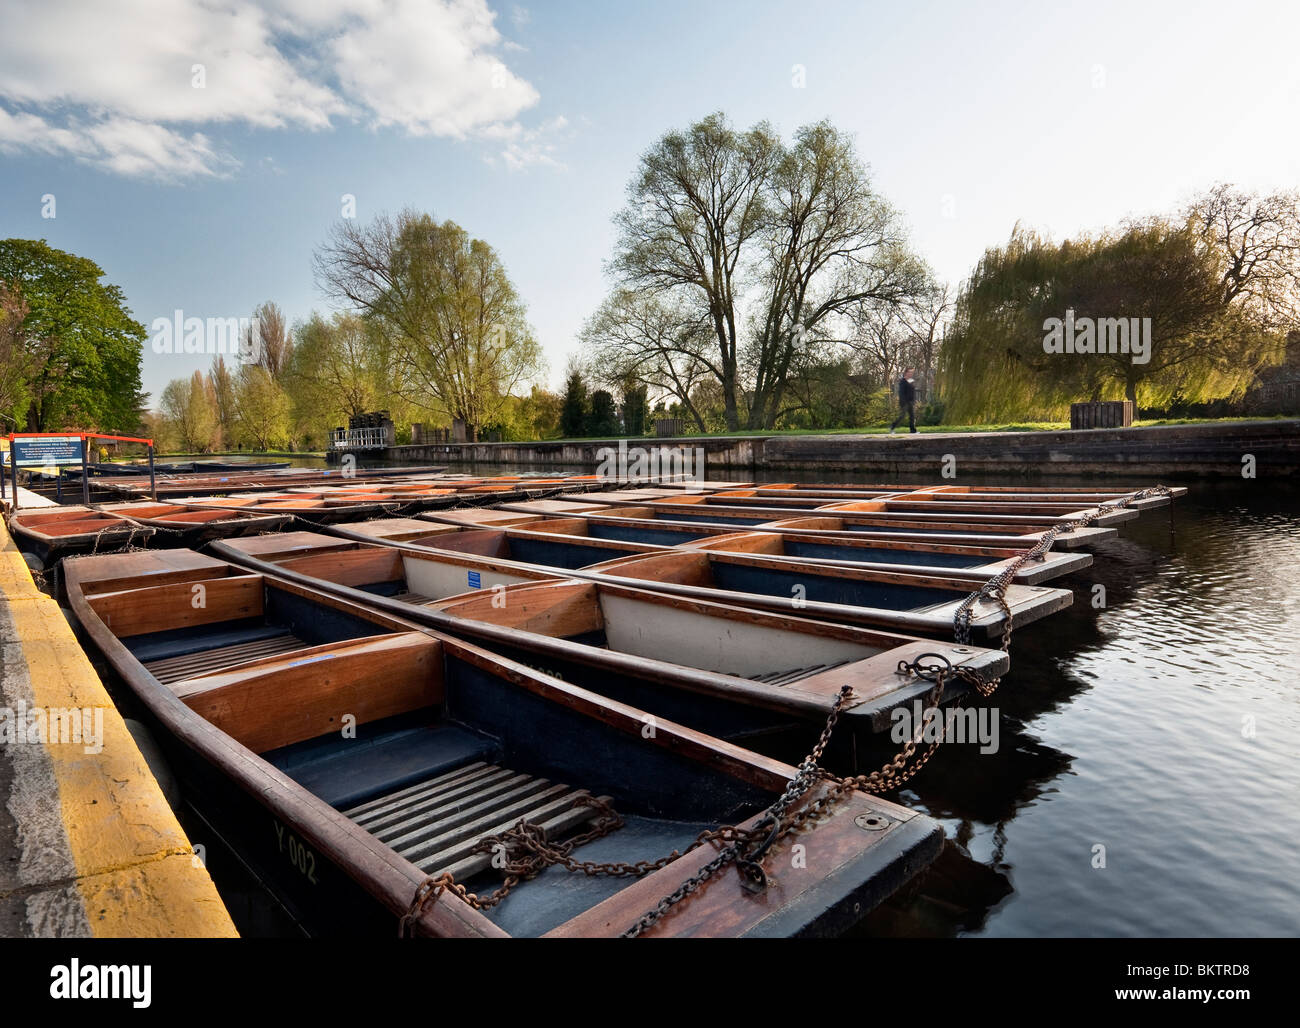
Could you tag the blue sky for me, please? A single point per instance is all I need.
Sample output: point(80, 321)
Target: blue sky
point(524, 123)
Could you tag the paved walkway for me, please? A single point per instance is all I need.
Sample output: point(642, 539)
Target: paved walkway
point(26, 498)
point(88, 845)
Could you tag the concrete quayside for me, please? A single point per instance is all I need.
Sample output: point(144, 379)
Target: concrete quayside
point(1265, 449)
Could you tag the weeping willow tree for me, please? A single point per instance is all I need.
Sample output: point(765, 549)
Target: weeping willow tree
point(1156, 277)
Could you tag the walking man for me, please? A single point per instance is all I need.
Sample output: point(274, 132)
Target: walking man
point(906, 400)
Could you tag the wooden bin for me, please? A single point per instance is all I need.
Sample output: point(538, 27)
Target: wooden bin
point(1102, 414)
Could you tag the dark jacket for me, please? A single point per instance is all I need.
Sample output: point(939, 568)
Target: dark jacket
point(906, 393)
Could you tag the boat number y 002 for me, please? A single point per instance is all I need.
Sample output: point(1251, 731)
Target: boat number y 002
point(299, 854)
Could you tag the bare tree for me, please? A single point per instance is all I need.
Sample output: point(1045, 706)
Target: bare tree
point(771, 243)
point(636, 336)
point(267, 341)
point(926, 317)
point(1257, 242)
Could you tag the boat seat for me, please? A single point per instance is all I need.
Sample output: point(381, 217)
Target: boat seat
point(345, 773)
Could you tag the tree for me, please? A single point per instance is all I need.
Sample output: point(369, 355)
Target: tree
point(926, 317)
point(267, 342)
point(540, 412)
point(574, 411)
point(635, 407)
point(223, 392)
point(1255, 241)
point(603, 420)
point(994, 365)
point(634, 336)
point(458, 326)
point(81, 341)
point(261, 409)
point(189, 410)
point(16, 358)
point(767, 244)
point(883, 344)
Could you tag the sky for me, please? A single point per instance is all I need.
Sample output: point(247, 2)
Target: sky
point(206, 189)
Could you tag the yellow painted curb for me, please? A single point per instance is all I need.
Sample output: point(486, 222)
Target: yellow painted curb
point(135, 868)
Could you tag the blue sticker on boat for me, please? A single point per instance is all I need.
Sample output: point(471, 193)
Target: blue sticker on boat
point(475, 582)
point(311, 660)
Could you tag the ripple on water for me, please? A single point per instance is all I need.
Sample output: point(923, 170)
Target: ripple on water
point(1164, 728)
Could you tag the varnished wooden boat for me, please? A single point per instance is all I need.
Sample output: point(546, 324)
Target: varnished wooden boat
point(845, 526)
point(769, 679)
point(853, 519)
point(208, 484)
point(886, 513)
point(979, 563)
point(891, 599)
point(177, 524)
point(351, 760)
point(920, 502)
point(1003, 495)
point(314, 507)
point(926, 604)
point(221, 467)
point(52, 533)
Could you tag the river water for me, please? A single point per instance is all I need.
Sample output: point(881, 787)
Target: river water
point(1163, 727)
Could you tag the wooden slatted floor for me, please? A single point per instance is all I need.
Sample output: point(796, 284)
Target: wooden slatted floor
point(206, 662)
point(436, 823)
point(416, 598)
point(794, 674)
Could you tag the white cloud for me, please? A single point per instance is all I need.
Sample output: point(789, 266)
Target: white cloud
point(527, 148)
point(114, 84)
point(436, 76)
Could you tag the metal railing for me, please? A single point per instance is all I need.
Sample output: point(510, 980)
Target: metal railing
point(359, 439)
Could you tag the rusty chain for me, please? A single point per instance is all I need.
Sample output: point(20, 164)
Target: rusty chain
point(996, 587)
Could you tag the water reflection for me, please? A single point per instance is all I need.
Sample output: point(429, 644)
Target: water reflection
point(1156, 736)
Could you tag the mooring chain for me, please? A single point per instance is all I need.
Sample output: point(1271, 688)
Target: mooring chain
point(527, 852)
point(995, 588)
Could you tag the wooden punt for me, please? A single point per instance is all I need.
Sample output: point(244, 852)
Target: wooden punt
point(225, 466)
point(858, 516)
point(178, 524)
point(347, 757)
point(730, 671)
point(921, 512)
point(918, 502)
point(789, 521)
point(902, 602)
point(49, 534)
point(894, 599)
point(313, 507)
point(547, 551)
point(214, 484)
point(970, 493)
point(979, 563)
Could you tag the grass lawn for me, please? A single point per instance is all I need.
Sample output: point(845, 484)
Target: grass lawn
point(1016, 426)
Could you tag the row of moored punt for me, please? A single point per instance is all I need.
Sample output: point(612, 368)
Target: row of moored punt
point(383, 688)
